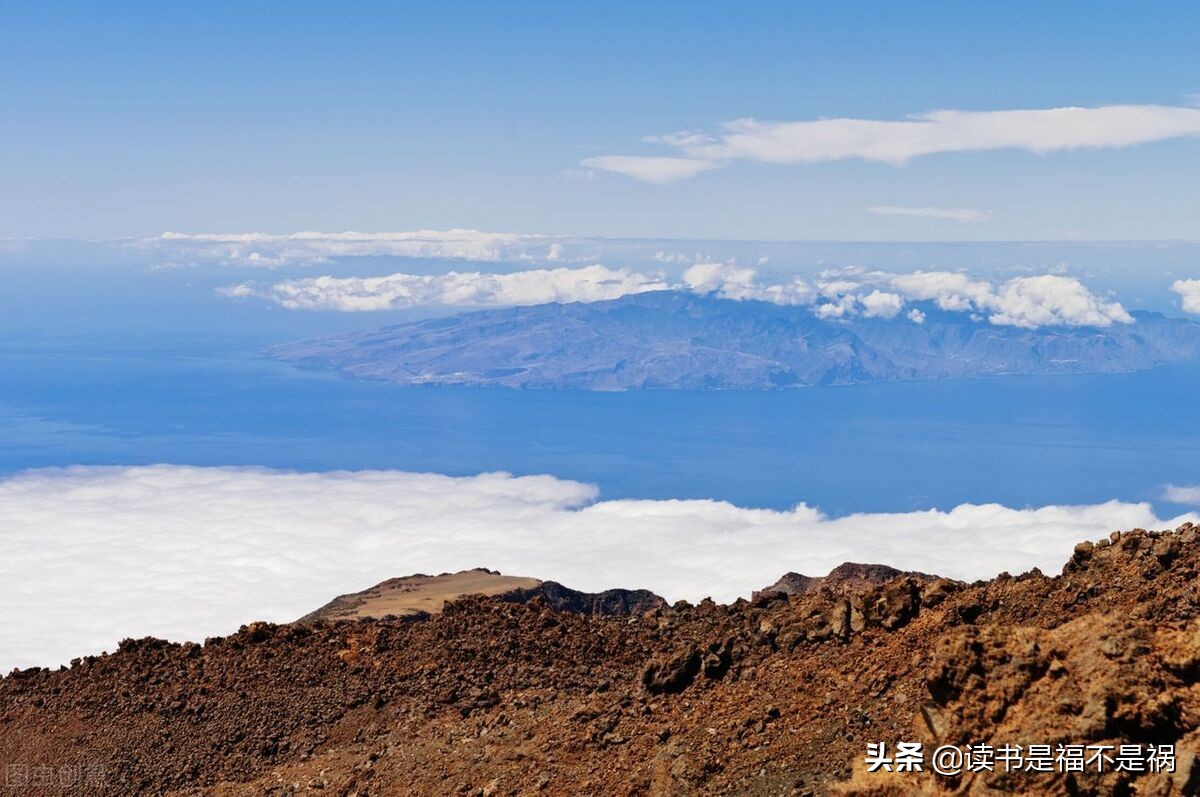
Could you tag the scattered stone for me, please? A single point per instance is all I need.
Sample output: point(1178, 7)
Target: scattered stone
point(672, 675)
point(508, 698)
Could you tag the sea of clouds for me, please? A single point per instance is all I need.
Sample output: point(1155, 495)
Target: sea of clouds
point(96, 554)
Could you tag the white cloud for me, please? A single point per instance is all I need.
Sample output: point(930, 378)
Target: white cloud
point(1052, 300)
point(832, 288)
point(244, 290)
point(916, 316)
point(951, 291)
point(92, 555)
point(730, 281)
point(897, 142)
point(1030, 302)
point(455, 289)
point(661, 170)
point(949, 214)
point(1189, 292)
point(1189, 494)
point(878, 304)
point(270, 250)
point(839, 308)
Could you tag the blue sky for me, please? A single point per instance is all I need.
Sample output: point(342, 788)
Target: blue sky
point(127, 119)
point(237, 124)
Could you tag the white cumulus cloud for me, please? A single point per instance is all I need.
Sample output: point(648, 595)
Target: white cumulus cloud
point(878, 304)
point(731, 281)
point(1052, 300)
point(1030, 302)
point(949, 214)
point(896, 142)
point(1189, 293)
point(839, 307)
point(950, 290)
point(95, 554)
point(456, 289)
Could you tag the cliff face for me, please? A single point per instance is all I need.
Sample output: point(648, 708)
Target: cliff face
point(684, 341)
point(778, 695)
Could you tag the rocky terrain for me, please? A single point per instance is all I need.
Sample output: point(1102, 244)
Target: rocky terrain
point(421, 595)
point(685, 341)
point(845, 579)
point(506, 695)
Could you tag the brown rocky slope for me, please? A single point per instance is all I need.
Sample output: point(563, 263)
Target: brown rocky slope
point(415, 596)
point(778, 695)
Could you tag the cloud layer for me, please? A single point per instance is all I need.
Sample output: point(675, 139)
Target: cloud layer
point(1045, 300)
point(738, 282)
point(271, 250)
point(1028, 302)
point(455, 289)
point(96, 554)
point(897, 142)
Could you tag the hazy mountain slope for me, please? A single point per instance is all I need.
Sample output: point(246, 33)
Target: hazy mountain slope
point(686, 341)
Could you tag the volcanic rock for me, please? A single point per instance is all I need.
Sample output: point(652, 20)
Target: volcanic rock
point(771, 697)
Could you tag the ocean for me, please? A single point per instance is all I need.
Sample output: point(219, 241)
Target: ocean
point(213, 400)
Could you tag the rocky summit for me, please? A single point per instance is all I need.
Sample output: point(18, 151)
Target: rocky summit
point(422, 595)
point(515, 694)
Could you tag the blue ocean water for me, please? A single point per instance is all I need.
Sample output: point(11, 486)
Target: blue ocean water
point(205, 400)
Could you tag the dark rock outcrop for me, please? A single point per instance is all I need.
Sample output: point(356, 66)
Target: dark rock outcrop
point(842, 580)
point(608, 602)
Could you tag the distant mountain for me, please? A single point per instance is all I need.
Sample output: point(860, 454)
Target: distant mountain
point(421, 596)
point(685, 341)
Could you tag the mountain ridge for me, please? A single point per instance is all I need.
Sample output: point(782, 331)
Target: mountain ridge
point(778, 695)
point(420, 595)
point(685, 341)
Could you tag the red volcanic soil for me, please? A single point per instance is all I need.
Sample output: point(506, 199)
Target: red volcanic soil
point(537, 690)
